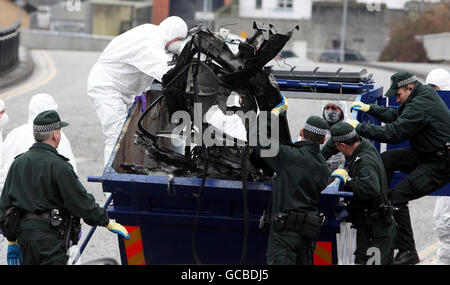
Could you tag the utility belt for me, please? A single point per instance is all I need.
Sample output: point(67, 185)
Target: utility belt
point(308, 225)
point(367, 218)
point(67, 226)
point(442, 155)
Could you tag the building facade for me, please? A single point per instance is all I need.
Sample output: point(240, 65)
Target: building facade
point(320, 24)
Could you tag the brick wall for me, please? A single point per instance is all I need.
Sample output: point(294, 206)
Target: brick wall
point(161, 10)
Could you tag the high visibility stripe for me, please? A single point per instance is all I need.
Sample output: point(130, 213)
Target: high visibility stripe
point(133, 247)
point(323, 253)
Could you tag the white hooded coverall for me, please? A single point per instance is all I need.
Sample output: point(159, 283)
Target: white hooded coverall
point(126, 68)
point(20, 139)
point(441, 78)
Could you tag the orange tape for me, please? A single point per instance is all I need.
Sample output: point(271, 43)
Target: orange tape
point(133, 247)
point(323, 254)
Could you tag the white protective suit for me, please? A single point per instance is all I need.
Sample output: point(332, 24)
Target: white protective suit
point(20, 139)
point(126, 68)
point(441, 78)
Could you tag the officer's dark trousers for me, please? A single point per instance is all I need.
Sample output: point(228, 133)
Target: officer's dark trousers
point(40, 244)
point(426, 174)
point(288, 248)
point(375, 246)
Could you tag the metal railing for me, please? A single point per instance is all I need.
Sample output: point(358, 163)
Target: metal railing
point(9, 46)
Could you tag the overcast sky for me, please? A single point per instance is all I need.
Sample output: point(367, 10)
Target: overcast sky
point(395, 4)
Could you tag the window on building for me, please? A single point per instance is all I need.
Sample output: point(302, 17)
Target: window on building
point(285, 4)
point(258, 4)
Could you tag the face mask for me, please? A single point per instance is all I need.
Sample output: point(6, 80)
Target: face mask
point(331, 116)
point(4, 120)
point(176, 47)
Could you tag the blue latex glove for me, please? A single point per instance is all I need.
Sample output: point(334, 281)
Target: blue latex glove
point(14, 255)
point(143, 100)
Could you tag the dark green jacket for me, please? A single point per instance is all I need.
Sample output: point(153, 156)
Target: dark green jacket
point(423, 119)
point(302, 173)
point(40, 180)
point(368, 178)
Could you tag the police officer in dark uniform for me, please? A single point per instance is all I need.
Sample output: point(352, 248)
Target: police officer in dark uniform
point(369, 209)
point(43, 200)
point(302, 173)
point(423, 119)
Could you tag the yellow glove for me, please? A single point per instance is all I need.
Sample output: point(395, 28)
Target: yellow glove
point(341, 174)
point(282, 107)
point(118, 229)
point(360, 106)
point(354, 123)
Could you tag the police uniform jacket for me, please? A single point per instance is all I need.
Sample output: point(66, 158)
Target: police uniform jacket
point(40, 180)
point(368, 179)
point(423, 119)
point(302, 173)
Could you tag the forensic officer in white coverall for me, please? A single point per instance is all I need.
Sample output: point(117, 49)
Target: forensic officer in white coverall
point(20, 139)
point(127, 68)
point(439, 79)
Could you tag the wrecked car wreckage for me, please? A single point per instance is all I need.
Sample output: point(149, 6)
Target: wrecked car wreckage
point(207, 74)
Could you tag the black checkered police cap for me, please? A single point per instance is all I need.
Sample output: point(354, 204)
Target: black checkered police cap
point(342, 132)
point(48, 121)
point(316, 125)
point(399, 80)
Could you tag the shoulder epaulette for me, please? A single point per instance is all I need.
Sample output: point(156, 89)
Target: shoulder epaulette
point(63, 157)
